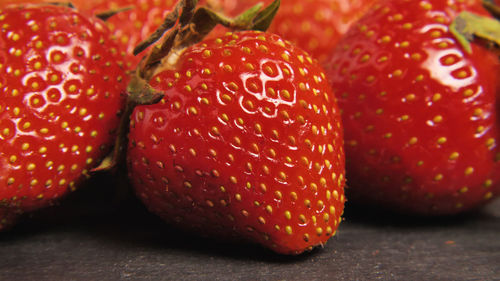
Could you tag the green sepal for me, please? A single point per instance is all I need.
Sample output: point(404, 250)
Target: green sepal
point(61, 4)
point(467, 26)
point(492, 7)
point(253, 18)
point(186, 25)
point(139, 93)
point(266, 16)
point(246, 18)
point(169, 22)
point(188, 9)
point(104, 16)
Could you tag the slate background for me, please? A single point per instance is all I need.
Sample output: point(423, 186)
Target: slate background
point(95, 235)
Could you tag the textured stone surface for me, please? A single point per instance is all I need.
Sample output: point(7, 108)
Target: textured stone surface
point(85, 238)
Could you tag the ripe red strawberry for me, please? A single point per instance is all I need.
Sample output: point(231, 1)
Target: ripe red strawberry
point(61, 87)
point(314, 25)
point(420, 113)
point(246, 142)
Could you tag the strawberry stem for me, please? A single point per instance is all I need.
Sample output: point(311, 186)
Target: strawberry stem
point(158, 53)
point(61, 4)
point(247, 16)
point(265, 18)
point(140, 93)
point(168, 23)
point(193, 25)
point(104, 16)
point(492, 8)
point(188, 10)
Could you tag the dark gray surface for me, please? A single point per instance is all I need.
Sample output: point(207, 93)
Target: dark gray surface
point(86, 238)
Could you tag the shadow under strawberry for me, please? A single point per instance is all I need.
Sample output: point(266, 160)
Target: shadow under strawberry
point(374, 216)
point(87, 215)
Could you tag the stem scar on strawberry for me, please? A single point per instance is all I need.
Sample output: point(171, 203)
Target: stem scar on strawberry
point(62, 89)
point(247, 141)
point(420, 108)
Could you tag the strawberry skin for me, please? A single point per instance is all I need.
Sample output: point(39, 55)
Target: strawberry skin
point(247, 142)
point(313, 25)
point(421, 114)
point(61, 91)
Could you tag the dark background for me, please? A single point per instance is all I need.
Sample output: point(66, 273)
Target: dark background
point(96, 235)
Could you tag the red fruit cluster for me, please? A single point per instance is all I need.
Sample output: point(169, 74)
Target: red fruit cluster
point(247, 140)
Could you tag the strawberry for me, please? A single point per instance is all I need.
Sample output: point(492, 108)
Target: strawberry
point(314, 25)
point(246, 143)
point(61, 90)
point(420, 111)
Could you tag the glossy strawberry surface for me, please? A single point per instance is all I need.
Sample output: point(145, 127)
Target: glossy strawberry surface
point(314, 25)
point(61, 89)
point(421, 114)
point(247, 142)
